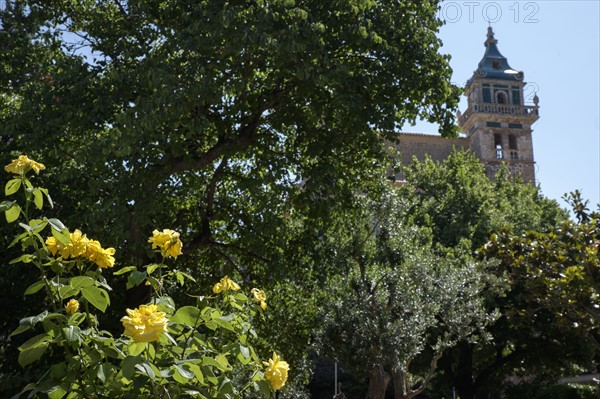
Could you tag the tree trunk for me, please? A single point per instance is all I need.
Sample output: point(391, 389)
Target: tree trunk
point(401, 384)
point(378, 382)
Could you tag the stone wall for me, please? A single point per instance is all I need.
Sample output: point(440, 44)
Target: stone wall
point(419, 145)
point(439, 148)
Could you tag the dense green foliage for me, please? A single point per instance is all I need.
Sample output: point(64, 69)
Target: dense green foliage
point(249, 126)
point(256, 129)
point(399, 305)
point(552, 307)
point(165, 351)
point(463, 208)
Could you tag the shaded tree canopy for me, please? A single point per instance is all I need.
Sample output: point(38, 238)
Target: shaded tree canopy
point(207, 115)
point(399, 305)
point(248, 126)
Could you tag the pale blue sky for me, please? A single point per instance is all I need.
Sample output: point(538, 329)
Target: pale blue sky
point(557, 45)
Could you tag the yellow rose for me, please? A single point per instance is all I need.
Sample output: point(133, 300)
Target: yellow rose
point(102, 257)
point(225, 285)
point(72, 306)
point(259, 297)
point(276, 372)
point(167, 241)
point(76, 247)
point(22, 165)
point(54, 246)
point(145, 324)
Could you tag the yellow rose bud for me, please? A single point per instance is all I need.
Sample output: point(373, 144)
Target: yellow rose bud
point(259, 297)
point(72, 306)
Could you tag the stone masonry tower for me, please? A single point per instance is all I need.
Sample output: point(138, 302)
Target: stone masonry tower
point(496, 121)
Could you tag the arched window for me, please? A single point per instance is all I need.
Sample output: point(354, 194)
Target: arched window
point(501, 97)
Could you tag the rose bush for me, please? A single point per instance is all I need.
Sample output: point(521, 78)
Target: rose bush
point(201, 351)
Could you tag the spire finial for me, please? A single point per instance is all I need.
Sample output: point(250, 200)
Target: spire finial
point(490, 36)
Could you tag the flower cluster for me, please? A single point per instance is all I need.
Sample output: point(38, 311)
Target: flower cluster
point(225, 285)
point(22, 165)
point(276, 372)
point(259, 297)
point(167, 241)
point(145, 324)
point(80, 245)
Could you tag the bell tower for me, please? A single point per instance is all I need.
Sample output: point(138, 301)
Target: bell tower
point(496, 121)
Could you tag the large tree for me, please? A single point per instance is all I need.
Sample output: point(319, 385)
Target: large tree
point(206, 116)
point(398, 306)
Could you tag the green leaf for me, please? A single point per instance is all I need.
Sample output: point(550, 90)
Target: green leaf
point(224, 323)
point(223, 362)
point(165, 304)
point(96, 296)
point(263, 387)
point(124, 270)
point(146, 368)
point(25, 226)
point(45, 191)
point(20, 330)
point(36, 341)
point(59, 231)
point(194, 368)
point(13, 213)
point(38, 225)
point(57, 393)
point(38, 198)
point(12, 186)
point(182, 375)
point(105, 371)
point(32, 320)
point(56, 224)
point(63, 236)
point(183, 370)
point(31, 355)
point(73, 334)
point(245, 351)
point(6, 205)
point(220, 362)
point(27, 258)
point(35, 287)
point(136, 348)
point(135, 278)
point(188, 315)
point(81, 281)
point(66, 291)
point(187, 276)
point(180, 279)
point(128, 366)
point(226, 387)
point(58, 371)
point(151, 268)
